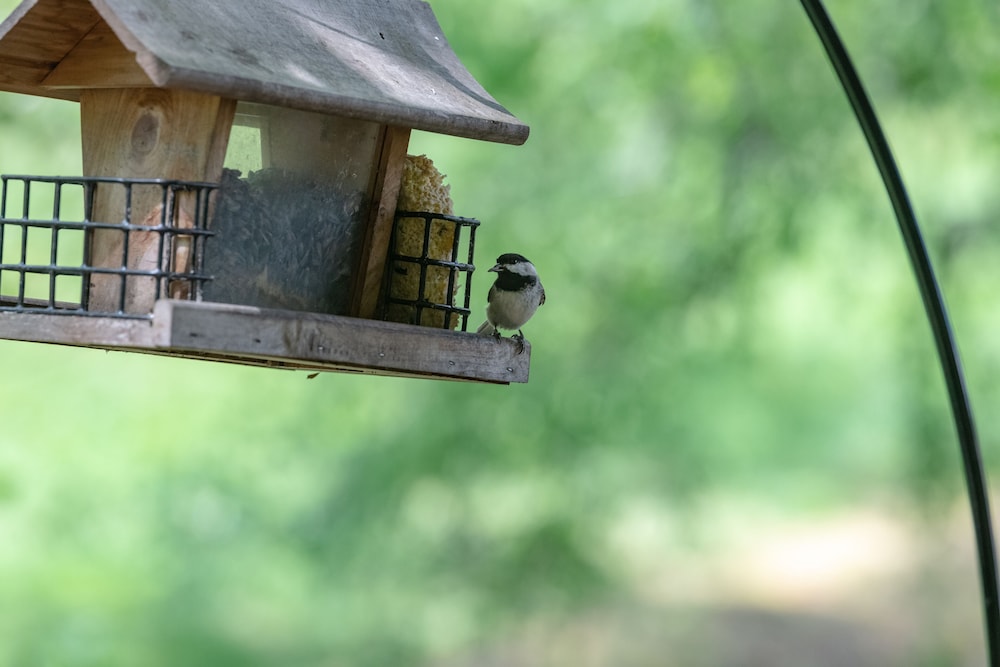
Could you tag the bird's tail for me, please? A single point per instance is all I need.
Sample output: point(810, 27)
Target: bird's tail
point(486, 329)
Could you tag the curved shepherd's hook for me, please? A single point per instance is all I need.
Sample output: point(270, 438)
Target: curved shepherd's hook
point(937, 314)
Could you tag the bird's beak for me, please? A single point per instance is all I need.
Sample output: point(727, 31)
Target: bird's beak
point(497, 268)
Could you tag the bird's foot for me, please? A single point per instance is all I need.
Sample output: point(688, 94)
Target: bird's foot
point(519, 337)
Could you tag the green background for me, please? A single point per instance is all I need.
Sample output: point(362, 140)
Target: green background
point(735, 446)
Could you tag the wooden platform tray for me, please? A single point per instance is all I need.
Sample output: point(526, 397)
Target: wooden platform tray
point(284, 339)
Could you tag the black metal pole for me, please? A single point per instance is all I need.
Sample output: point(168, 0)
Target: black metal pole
point(975, 476)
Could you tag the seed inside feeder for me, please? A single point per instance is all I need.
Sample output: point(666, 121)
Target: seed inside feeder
point(283, 241)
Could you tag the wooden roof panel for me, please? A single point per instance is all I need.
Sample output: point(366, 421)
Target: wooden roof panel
point(384, 60)
point(36, 36)
point(40, 32)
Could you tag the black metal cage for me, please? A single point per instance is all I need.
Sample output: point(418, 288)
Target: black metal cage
point(427, 282)
point(104, 247)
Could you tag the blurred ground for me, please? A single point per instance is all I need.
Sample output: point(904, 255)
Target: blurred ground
point(859, 590)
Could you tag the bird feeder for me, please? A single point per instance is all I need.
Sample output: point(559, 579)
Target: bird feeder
point(242, 167)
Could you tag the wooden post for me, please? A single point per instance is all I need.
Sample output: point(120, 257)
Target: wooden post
point(375, 248)
point(145, 133)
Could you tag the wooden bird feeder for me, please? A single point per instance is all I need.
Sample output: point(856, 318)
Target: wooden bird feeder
point(242, 166)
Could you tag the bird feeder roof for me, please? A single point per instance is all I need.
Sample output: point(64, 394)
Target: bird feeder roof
point(380, 60)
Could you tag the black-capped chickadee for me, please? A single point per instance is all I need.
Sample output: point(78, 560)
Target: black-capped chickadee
point(514, 297)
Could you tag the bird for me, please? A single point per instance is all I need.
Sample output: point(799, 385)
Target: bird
point(514, 297)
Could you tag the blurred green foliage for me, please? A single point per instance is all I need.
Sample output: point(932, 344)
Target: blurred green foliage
point(730, 315)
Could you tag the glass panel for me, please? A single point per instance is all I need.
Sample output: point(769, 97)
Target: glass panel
point(292, 209)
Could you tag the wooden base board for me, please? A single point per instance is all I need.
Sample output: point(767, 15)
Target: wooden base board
point(284, 339)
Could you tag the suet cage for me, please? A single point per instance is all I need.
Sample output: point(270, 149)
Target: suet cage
point(47, 242)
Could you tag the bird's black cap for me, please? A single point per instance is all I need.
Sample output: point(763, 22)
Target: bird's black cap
point(511, 258)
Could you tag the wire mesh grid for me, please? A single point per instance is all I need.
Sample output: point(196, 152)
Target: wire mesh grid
point(428, 284)
point(100, 246)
